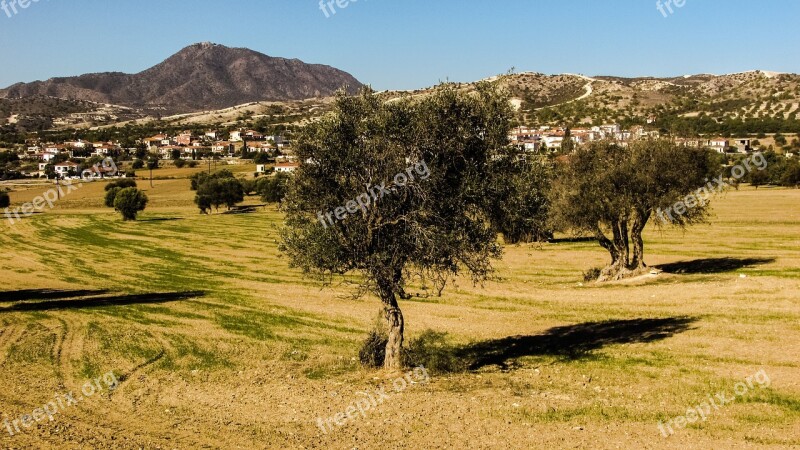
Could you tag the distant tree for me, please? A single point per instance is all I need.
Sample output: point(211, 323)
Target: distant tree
point(611, 192)
point(138, 164)
point(432, 227)
point(129, 202)
point(518, 197)
point(567, 145)
point(176, 154)
point(215, 192)
point(273, 189)
point(123, 183)
point(111, 195)
point(152, 164)
point(201, 177)
point(5, 200)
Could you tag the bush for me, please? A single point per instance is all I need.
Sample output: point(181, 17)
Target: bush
point(138, 164)
point(592, 274)
point(123, 183)
point(373, 350)
point(433, 351)
point(111, 195)
point(5, 200)
point(192, 164)
point(129, 202)
point(273, 189)
point(179, 163)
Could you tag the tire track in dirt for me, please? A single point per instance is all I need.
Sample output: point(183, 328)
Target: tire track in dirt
point(11, 335)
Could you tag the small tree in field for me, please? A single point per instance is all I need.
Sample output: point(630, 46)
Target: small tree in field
point(5, 200)
point(611, 192)
point(129, 202)
point(396, 192)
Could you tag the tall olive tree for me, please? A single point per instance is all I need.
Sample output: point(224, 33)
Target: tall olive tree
point(612, 191)
point(396, 191)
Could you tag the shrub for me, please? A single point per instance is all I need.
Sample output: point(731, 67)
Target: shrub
point(129, 202)
point(373, 350)
point(592, 274)
point(138, 164)
point(123, 183)
point(192, 164)
point(5, 200)
point(111, 195)
point(179, 163)
point(433, 351)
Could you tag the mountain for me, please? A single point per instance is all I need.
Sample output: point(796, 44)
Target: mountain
point(200, 77)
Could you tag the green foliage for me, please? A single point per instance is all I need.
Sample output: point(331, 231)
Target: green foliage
point(201, 177)
point(518, 201)
point(273, 189)
point(215, 192)
point(606, 188)
point(111, 195)
point(129, 202)
point(434, 226)
point(121, 183)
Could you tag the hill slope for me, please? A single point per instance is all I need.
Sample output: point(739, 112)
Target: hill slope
point(199, 77)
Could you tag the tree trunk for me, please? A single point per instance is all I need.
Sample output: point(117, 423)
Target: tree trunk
point(394, 347)
point(638, 243)
point(396, 326)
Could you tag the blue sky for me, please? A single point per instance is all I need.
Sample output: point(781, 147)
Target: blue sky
point(406, 44)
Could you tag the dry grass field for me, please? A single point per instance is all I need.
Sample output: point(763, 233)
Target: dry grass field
point(217, 343)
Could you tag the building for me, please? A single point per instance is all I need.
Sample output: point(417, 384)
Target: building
point(287, 167)
point(63, 169)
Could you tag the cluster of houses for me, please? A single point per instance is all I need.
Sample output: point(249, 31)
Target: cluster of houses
point(544, 139)
point(185, 145)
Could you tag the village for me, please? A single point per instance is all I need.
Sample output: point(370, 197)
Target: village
point(274, 152)
point(64, 159)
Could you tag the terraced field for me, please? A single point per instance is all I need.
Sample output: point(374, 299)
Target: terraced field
point(216, 343)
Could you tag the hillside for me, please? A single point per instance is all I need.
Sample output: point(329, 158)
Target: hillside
point(200, 77)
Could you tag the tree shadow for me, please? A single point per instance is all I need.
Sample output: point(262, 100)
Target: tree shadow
point(160, 219)
point(63, 303)
point(45, 294)
point(712, 265)
point(572, 240)
point(568, 342)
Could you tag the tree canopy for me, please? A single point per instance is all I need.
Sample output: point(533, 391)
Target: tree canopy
point(611, 191)
point(396, 191)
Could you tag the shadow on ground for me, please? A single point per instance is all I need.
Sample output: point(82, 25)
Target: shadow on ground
point(569, 342)
point(93, 301)
point(160, 219)
point(46, 294)
point(713, 265)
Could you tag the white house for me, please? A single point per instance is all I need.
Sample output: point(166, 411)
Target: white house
point(286, 167)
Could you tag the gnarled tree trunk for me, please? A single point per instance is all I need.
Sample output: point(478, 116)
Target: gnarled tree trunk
point(396, 325)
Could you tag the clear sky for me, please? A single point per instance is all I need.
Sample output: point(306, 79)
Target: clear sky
point(406, 44)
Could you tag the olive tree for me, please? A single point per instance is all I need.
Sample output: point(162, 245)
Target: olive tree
point(396, 191)
point(129, 202)
point(611, 192)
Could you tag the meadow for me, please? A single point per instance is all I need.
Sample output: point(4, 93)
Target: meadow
point(217, 343)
